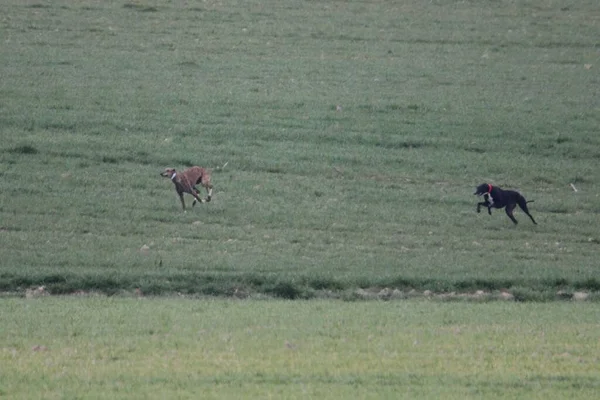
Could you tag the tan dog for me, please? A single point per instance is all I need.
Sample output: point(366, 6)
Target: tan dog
point(186, 181)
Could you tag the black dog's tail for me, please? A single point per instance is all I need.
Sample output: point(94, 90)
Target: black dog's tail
point(529, 201)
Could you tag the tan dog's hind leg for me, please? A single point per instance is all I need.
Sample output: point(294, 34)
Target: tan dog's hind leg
point(206, 182)
point(209, 190)
point(197, 198)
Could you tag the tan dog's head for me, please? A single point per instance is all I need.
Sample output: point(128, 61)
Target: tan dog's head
point(169, 173)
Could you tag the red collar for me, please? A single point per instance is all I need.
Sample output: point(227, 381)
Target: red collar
point(489, 188)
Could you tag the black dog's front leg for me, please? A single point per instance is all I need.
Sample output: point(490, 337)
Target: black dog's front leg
point(484, 204)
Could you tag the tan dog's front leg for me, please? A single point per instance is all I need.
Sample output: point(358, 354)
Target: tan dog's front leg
point(182, 201)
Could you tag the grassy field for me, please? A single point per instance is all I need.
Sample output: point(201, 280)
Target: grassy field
point(346, 140)
point(111, 348)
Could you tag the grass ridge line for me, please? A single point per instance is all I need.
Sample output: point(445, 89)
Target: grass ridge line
point(303, 287)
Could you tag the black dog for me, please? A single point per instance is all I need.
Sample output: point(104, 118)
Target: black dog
point(498, 198)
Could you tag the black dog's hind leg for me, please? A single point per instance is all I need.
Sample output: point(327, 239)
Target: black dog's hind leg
point(509, 211)
point(523, 205)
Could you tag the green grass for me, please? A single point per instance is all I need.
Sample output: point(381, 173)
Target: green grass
point(96, 98)
point(346, 138)
point(179, 348)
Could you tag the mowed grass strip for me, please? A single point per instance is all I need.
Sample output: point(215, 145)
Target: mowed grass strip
point(98, 347)
point(346, 139)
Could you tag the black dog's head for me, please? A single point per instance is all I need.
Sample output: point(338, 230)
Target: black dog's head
point(483, 189)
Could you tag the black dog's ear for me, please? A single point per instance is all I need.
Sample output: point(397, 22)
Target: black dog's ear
point(481, 189)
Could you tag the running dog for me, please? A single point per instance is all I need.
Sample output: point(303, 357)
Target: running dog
point(498, 198)
point(186, 181)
